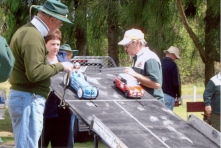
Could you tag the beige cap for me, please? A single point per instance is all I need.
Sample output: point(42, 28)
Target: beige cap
point(173, 50)
point(133, 34)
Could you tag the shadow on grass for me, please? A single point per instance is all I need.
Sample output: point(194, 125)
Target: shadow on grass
point(85, 140)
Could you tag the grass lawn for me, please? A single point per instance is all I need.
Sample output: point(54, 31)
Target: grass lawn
point(6, 129)
point(8, 138)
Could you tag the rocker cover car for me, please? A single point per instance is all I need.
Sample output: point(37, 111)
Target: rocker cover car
point(129, 85)
point(78, 82)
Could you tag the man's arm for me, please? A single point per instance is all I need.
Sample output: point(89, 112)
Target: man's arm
point(209, 91)
point(176, 80)
point(154, 75)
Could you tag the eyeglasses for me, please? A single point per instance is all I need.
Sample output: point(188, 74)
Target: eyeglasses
point(60, 22)
point(128, 44)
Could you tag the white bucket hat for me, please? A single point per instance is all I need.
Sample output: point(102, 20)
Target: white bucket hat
point(133, 34)
point(173, 50)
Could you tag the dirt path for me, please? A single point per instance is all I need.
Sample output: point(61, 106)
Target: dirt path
point(5, 145)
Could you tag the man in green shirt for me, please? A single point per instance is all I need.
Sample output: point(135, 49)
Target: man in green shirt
point(211, 98)
point(147, 66)
point(30, 78)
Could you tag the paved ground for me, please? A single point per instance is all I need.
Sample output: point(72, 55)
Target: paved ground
point(200, 96)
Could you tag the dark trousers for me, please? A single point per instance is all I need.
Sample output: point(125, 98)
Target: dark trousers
point(56, 130)
point(215, 120)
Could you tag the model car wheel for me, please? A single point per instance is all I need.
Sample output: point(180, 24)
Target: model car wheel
point(115, 85)
point(126, 94)
point(97, 92)
point(66, 81)
point(80, 93)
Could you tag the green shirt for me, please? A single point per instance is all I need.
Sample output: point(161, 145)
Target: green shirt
point(148, 64)
point(211, 94)
point(31, 73)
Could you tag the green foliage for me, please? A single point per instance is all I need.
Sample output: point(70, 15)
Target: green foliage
point(190, 65)
point(3, 22)
point(13, 5)
point(215, 11)
point(97, 28)
point(158, 19)
point(16, 13)
point(68, 33)
point(187, 89)
point(6, 123)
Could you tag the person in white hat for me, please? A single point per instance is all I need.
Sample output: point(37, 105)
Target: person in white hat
point(171, 77)
point(147, 66)
point(30, 78)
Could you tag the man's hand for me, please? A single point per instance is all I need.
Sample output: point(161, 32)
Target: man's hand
point(208, 109)
point(144, 80)
point(130, 71)
point(67, 66)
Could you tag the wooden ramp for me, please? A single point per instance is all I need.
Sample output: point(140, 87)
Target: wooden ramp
point(141, 123)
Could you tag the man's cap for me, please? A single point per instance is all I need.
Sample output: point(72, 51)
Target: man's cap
point(67, 47)
point(56, 9)
point(173, 50)
point(133, 34)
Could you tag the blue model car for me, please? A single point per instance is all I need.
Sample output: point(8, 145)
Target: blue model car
point(78, 82)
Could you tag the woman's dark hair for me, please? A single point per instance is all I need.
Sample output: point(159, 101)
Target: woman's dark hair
point(53, 36)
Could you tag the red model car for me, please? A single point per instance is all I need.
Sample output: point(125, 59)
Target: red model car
point(129, 85)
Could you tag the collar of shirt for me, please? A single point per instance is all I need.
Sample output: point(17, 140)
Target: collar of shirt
point(168, 58)
point(219, 76)
point(40, 25)
point(141, 51)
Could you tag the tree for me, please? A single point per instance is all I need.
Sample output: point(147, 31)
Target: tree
point(17, 14)
point(210, 51)
point(112, 22)
point(100, 24)
point(81, 26)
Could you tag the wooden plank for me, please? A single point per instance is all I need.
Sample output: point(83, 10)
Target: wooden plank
point(205, 128)
point(139, 123)
point(195, 107)
point(142, 123)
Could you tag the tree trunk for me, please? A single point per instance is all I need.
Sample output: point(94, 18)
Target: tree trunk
point(81, 41)
point(209, 71)
point(112, 43)
point(190, 31)
point(81, 30)
point(113, 32)
point(212, 24)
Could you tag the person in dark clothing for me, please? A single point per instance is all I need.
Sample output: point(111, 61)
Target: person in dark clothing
point(30, 77)
point(171, 77)
point(69, 52)
point(211, 97)
point(57, 120)
point(69, 55)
